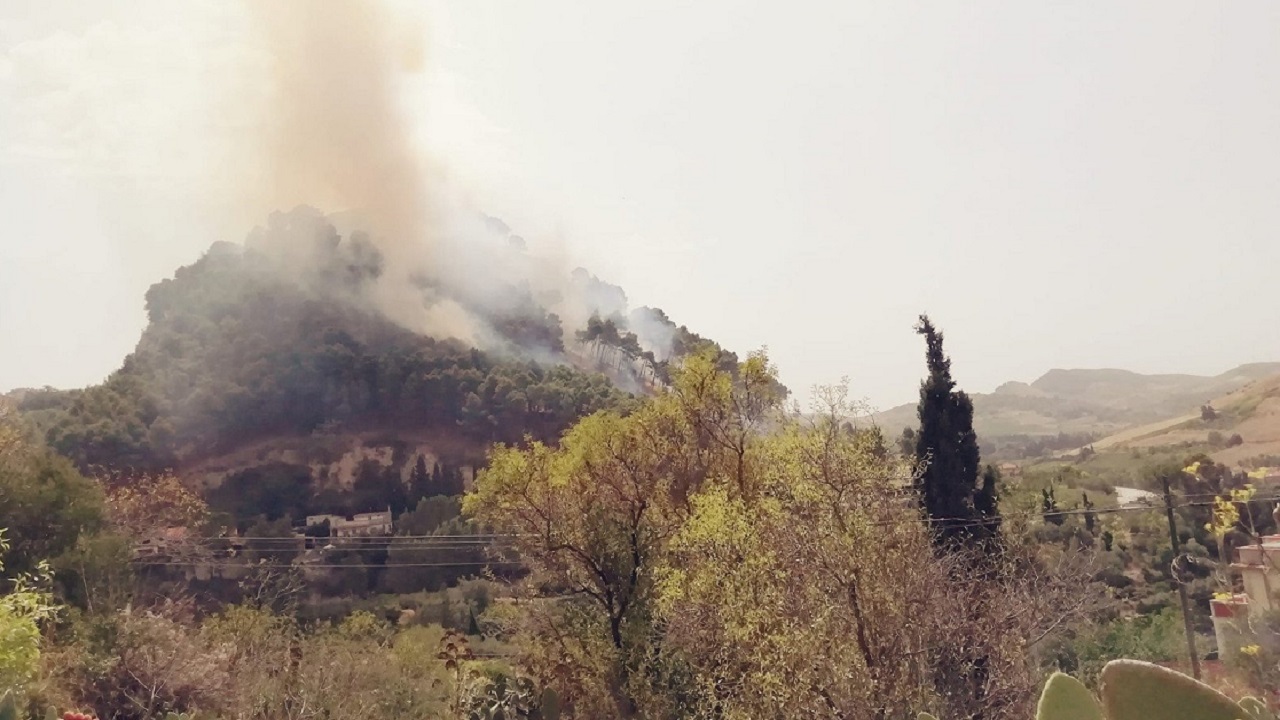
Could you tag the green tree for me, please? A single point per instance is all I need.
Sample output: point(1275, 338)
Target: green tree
point(757, 587)
point(907, 442)
point(429, 515)
point(419, 482)
point(22, 608)
point(591, 518)
point(46, 505)
point(947, 449)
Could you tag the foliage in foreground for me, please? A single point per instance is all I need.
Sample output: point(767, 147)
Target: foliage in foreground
point(684, 563)
point(23, 607)
point(1135, 690)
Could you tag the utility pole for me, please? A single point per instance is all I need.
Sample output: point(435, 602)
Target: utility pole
point(1182, 589)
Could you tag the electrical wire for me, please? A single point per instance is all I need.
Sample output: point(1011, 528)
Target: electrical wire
point(472, 542)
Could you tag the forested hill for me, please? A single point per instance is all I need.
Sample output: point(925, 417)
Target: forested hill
point(266, 340)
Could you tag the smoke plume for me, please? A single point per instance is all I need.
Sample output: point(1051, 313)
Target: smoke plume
point(336, 134)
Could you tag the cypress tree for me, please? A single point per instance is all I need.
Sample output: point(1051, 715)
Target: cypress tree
point(419, 482)
point(437, 481)
point(962, 506)
point(987, 502)
point(961, 509)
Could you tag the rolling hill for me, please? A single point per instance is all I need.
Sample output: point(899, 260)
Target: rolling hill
point(1097, 402)
point(1251, 412)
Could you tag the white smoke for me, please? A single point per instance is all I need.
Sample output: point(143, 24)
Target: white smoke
point(335, 133)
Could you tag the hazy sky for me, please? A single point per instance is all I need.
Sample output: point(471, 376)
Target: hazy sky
point(1060, 184)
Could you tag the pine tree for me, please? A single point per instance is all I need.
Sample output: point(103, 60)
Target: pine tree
point(962, 512)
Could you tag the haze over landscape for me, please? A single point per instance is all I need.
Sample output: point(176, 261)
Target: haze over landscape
point(1061, 186)
point(483, 360)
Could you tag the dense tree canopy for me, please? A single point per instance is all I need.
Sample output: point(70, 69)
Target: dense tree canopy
point(45, 504)
point(282, 336)
point(234, 352)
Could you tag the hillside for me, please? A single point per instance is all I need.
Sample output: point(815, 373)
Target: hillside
point(1089, 402)
point(1251, 412)
point(308, 351)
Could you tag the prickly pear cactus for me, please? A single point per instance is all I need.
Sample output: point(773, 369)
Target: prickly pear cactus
point(1065, 698)
point(1256, 708)
point(1134, 690)
point(550, 705)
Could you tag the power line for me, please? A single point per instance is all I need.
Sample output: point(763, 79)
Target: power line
point(472, 542)
point(347, 538)
point(339, 542)
point(487, 538)
point(975, 522)
point(304, 566)
point(967, 522)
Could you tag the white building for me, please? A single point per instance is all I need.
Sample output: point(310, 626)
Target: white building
point(374, 523)
point(1259, 570)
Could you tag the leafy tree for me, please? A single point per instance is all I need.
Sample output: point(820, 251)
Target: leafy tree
point(322, 529)
point(430, 514)
point(46, 505)
point(276, 491)
point(759, 584)
point(591, 517)
point(456, 550)
point(376, 488)
point(907, 443)
point(144, 505)
point(22, 609)
point(947, 450)
point(273, 541)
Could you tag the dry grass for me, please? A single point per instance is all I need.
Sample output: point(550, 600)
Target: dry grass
point(1253, 412)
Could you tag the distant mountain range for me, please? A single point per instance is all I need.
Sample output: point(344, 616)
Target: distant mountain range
point(1100, 402)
